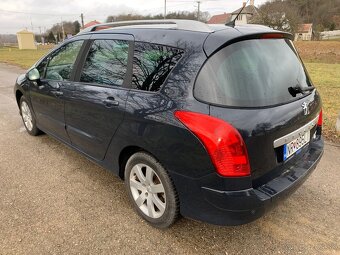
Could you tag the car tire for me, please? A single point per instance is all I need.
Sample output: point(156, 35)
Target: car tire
point(28, 118)
point(151, 190)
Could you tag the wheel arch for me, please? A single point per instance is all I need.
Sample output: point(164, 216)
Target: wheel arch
point(126, 153)
point(124, 156)
point(18, 95)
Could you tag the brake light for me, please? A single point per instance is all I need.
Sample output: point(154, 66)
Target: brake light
point(272, 36)
point(223, 142)
point(320, 119)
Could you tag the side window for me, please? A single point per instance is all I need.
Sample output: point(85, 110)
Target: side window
point(61, 62)
point(151, 65)
point(106, 62)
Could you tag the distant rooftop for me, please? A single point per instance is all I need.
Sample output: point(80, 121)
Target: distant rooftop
point(250, 9)
point(91, 23)
point(305, 28)
point(226, 17)
point(24, 31)
point(219, 19)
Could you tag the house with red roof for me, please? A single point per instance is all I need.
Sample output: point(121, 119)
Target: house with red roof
point(220, 18)
point(91, 23)
point(244, 17)
point(95, 22)
point(305, 32)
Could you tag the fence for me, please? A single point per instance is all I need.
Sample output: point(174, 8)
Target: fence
point(330, 35)
point(8, 44)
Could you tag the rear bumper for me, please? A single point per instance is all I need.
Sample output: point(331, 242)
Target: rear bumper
point(243, 206)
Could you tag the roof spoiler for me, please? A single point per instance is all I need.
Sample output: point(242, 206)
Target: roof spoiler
point(220, 42)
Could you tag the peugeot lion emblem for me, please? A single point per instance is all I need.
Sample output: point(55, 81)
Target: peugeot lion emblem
point(305, 108)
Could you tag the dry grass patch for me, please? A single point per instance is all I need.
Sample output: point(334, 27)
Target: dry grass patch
point(319, 51)
point(326, 78)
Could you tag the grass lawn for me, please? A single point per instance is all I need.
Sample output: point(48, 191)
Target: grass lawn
point(321, 59)
point(22, 58)
point(326, 78)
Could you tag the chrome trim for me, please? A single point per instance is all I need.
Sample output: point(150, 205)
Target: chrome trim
point(287, 138)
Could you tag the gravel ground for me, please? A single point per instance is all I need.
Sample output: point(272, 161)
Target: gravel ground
point(53, 200)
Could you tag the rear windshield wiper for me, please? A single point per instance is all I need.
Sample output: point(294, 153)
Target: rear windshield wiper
point(298, 90)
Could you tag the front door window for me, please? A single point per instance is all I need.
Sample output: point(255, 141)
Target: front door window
point(61, 62)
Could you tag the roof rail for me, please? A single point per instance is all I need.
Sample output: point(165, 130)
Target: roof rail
point(191, 25)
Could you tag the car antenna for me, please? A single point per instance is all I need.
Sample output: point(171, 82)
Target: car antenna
point(232, 22)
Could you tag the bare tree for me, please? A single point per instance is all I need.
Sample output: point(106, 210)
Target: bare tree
point(279, 15)
point(69, 28)
point(322, 13)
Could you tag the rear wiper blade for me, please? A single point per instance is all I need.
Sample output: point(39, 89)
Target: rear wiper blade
point(298, 90)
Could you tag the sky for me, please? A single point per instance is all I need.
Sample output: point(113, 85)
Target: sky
point(42, 14)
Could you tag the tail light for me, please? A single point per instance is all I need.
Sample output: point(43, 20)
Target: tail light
point(222, 141)
point(320, 119)
point(272, 36)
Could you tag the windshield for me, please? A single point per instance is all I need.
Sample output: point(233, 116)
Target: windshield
point(252, 73)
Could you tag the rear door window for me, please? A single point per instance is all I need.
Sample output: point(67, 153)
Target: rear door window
point(106, 63)
point(152, 64)
point(61, 61)
point(252, 73)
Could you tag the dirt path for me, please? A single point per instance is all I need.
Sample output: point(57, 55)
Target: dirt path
point(54, 201)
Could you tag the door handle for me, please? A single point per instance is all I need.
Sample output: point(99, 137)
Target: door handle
point(57, 93)
point(110, 101)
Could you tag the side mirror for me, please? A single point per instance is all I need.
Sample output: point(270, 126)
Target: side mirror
point(33, 74)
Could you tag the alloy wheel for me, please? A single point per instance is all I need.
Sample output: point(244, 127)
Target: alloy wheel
point(147, 191)
point(26, 116)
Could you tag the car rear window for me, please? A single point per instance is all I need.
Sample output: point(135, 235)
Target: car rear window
point(252, 73)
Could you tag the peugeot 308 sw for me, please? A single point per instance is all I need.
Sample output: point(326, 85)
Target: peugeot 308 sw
point(213, 123)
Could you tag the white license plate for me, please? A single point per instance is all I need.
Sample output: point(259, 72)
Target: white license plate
point(295, 145)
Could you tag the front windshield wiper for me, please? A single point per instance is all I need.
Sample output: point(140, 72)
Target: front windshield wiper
point(299, 90)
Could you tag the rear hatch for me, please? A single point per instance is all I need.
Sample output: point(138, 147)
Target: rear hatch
point(261, 87)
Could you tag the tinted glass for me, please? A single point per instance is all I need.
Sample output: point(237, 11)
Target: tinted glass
point(106, 62)
point(61, 62)
point(152, 64)
point(252, 73)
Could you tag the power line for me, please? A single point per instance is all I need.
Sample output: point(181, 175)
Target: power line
point(169, 5)
point(41, 14)
point(164, 9)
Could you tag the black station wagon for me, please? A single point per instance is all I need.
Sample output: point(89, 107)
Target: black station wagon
point(215, 123)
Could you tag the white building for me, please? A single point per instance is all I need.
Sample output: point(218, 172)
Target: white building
point(246, 15)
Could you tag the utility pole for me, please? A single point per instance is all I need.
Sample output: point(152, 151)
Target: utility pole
point(164, 9)
point(82, 20)
point(62, 28)
point(42, 39)
point(31, 24)
point(198, 10)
